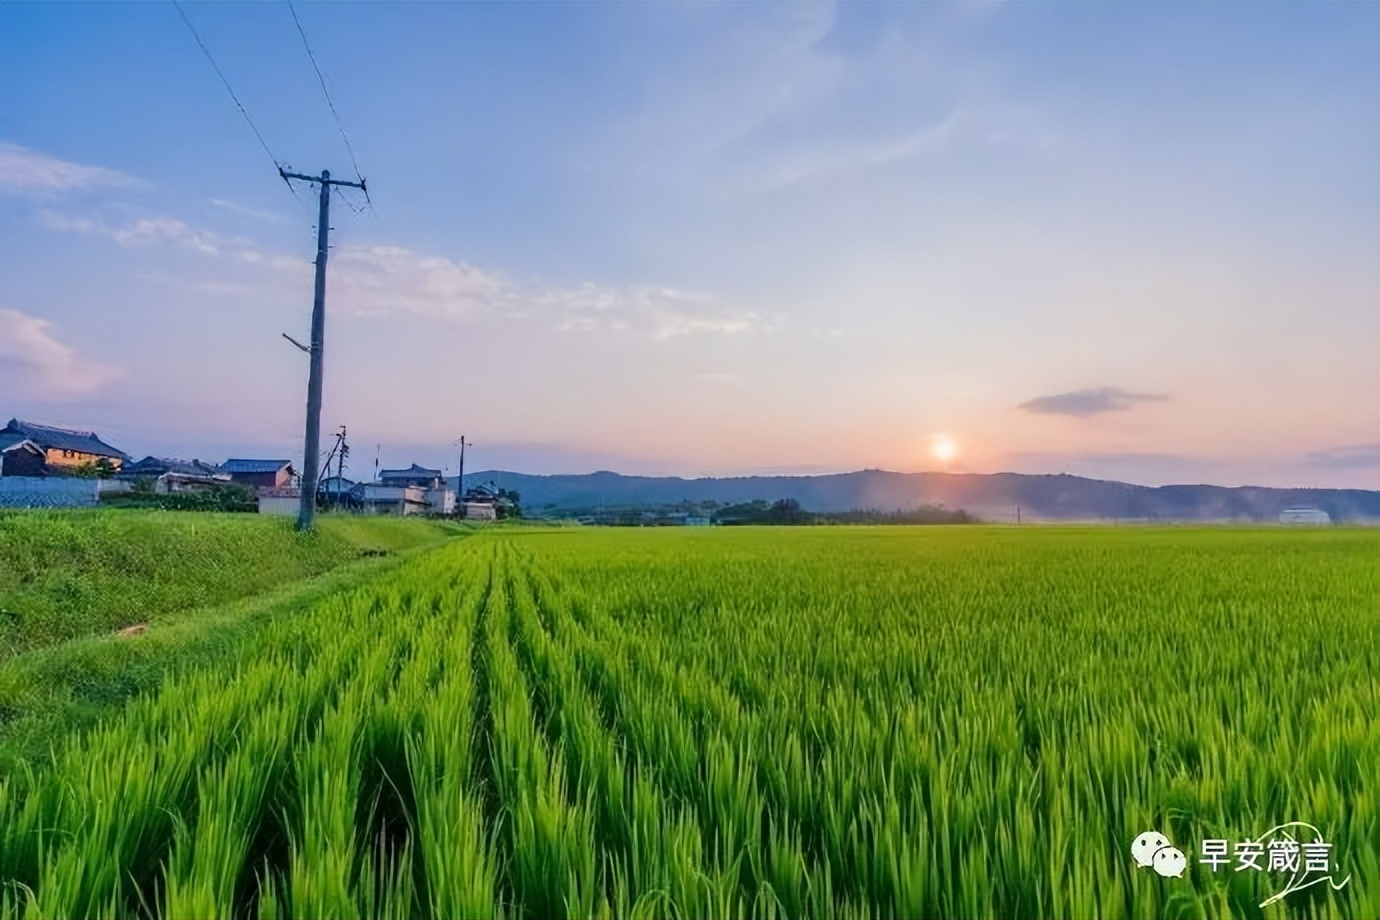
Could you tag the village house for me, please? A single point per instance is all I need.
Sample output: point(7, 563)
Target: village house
point(480, 503)
point(65, 452)
point(414, 490)
point(335, 485)
point(260, 474)
point(337, 492)
point(170, 474)
point(377, 498)
point(479, 511)
point(414, 475)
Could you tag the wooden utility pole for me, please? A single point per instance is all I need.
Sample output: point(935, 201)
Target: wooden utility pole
point(340, 464)
point(339, 451)
point(311, 460)
point(460, 478)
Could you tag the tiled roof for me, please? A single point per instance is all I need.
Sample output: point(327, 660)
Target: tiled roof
point(156, 466)
point(50, 438)
point(413, 470)
point(253, 466)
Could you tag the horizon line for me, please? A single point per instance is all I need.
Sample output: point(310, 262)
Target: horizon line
point(1172, 485)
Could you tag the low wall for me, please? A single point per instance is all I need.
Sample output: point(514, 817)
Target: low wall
point(55, 491)
point(284, 505)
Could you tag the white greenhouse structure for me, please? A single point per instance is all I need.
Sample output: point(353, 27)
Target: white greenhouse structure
point(1304, 516)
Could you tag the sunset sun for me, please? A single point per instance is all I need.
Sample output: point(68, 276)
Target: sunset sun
point(943, 448)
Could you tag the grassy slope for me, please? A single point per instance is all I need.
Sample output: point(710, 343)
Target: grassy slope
point(123, 566)
point(64, 575)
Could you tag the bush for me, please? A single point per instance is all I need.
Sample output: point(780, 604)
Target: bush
point(226, 497)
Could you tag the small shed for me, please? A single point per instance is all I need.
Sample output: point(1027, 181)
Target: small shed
point(22, 457)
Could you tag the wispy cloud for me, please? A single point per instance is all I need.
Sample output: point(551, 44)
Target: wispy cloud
point(663, 313)
point(394, 281)
point(167, 230)
point(1351, 456)
point(771, 64)
point(255, 213)
point(1093, 401)
point(824, 162)
point(147, 230)
point(39, 367)
point(786, 104)
point(213, 286)
point(968, 125)
point(390, 280)
point(25, 171)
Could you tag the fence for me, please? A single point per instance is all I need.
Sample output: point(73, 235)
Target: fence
point(55, 492)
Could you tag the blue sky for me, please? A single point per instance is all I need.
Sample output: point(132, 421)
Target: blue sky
point(1132, 241)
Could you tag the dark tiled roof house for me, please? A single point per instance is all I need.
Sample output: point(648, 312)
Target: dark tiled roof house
point(63, 448)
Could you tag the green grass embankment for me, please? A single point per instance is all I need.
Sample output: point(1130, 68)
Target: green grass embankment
point(69, 574)
point(202, 583)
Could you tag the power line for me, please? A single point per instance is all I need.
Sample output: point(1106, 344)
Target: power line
point(239, 105)
point(236, 99)
point(325, 92)
point(341, 195)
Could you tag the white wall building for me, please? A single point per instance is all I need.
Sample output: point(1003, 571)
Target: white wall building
point(442, 501)
point(282, 502)
point(480, 511)
point(381, 499)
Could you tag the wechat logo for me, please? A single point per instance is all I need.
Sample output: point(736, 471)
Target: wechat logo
point(1152, 850)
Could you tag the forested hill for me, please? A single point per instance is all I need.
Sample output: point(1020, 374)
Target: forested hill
point(992, 496)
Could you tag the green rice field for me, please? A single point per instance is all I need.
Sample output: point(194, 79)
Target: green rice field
point(745, 722)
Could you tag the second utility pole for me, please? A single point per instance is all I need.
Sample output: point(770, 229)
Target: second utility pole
point(311, 459)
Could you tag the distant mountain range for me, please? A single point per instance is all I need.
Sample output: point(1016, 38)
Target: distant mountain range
point(990, 496)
